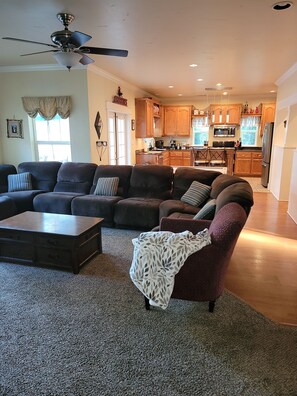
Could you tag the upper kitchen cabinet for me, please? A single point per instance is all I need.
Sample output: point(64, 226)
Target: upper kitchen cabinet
point(225, 114)
point(268, 112)
point(177, 120)
point(148, 118)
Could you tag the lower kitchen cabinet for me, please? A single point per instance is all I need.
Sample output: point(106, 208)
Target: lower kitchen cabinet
point(248, 163)
point(180, 158)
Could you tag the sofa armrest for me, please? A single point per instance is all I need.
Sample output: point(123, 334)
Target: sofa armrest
point(180, 225)
point(173, 205)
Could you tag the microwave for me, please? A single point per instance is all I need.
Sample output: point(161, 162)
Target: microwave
point(224, 131)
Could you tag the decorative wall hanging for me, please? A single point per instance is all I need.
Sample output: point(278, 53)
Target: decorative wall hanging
point(118, 99)
point(101, 145)
point(15, 129)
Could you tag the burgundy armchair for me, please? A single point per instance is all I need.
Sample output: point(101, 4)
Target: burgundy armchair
point(202, 276)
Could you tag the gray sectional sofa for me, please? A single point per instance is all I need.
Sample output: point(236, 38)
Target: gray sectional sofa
point(145, 193)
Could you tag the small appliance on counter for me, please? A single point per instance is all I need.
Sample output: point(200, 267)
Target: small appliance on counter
point(173, 144)
point(159, 144)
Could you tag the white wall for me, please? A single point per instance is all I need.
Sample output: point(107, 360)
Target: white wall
point(283, 175)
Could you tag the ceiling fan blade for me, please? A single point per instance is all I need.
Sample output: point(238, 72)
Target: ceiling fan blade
point(29, 41)
point(40, 52)
point(86, 60)
point(104, 51)
point(77, 39)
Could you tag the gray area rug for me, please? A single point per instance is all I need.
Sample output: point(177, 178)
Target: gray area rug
point(89, 334)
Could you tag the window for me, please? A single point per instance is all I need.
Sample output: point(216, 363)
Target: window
point(52, 139)
point(200, 131)
point(249, 130)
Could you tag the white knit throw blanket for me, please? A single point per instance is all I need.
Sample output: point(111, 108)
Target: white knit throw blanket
point(158, 256)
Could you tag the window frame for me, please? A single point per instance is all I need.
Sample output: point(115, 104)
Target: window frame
point(50, 143)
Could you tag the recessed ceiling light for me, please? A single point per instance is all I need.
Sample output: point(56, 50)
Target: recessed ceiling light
point(282, 5)
point(179, 94)
point(272, 91)
point(225, 93)
point(199, 79)
point(219, 84)
point(193, 65)
point(170, 86)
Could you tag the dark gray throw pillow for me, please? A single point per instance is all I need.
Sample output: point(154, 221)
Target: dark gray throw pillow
point(107, 186)
point(207, 212)
point(196, 194)
point(19, 182)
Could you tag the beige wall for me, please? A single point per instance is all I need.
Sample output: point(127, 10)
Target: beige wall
point(43, 83)
point(101, 90)
point(89, 89)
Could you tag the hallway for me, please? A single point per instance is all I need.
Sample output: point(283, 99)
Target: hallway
point(263, 268)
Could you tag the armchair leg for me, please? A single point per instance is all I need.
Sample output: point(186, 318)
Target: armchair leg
point(147, 303)
point(211, 306)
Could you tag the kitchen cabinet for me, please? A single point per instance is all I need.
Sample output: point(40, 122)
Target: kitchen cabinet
point(225, 114)
point(248, 163)
point(148, 118)
point(268, 112)
point(180, 158)
point(177, 120)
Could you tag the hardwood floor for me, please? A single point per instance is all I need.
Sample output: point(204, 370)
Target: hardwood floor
point(263, 268)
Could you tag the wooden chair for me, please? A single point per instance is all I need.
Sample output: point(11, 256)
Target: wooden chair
point(201, 157)
point(217, 157)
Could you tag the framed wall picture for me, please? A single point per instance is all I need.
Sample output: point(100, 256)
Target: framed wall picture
point(15, 129)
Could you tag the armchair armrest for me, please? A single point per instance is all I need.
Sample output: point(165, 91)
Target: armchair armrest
point(180, 225)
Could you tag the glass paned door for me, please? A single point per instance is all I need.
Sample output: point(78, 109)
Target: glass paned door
point(118, 138)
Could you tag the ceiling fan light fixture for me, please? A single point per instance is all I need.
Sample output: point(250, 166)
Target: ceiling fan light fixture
point(67, 59)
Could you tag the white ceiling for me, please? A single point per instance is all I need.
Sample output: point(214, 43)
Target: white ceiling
point(243, 44)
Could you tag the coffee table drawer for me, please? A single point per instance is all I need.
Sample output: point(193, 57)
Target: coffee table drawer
point(60, 258)
point(16, 236)
point(53, 242)
point(17, 251)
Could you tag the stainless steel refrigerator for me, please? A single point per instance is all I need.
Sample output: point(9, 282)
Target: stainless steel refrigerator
point(266, 152)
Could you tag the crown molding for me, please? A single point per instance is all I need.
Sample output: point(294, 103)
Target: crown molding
point(287, 74)
point(30, 68)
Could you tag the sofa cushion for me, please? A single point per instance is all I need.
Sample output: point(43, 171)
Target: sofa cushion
point(95, 206)
point(139, 213)
point(107, 186)
point(19, 182)
point(196, 194)
point(5, 170)
point(54, 202)
point(151, 181)
point(223, 181)
point(75, 177)
point(43, 173)
point(7, 207)
point(183, 177)
point(123, 172)
point(240, 193)
point(207, 212)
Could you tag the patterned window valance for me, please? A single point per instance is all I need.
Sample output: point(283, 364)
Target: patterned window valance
point(47, 106)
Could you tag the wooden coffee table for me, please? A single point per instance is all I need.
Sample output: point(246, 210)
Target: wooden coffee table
point(47, 239)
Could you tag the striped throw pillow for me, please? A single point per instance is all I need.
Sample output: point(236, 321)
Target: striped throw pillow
point(107, 186)
point(196, 194)
point(207, 212)
point(19, 182)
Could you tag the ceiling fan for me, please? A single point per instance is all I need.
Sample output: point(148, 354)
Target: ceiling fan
point(68, 48)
